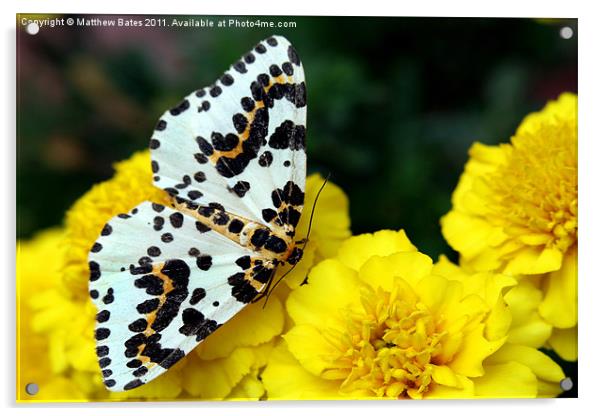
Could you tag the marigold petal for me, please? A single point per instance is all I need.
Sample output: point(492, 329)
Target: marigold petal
point(528, 327)
point(523, 300)
point(444, 375)
point(499, 320)
point(214, 379)
point(508, 380)
point(252, 326)
point(542, 366)
point(330, 224)
point(250, 387)
point(487, 156)
point(564, 107)
point(356, 250)
point(464, 314)
point(464, 390)
point(483, 159)
point(564, 343)
point(548, 389)
point(535, 239)
point(285, 379)
point(468, 235)
point(383, 272)
point(331, 287)
point(559, 306)
point(531, 260)
point(310, 348)
point(433, 291)
point(532, 333)
point(475, 348)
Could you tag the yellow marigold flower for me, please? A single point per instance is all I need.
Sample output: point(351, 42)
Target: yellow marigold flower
point(379, 320)
point(527, 332)
point(37, 270)
point(515, 211)
point(515, 207)
point(228, 363)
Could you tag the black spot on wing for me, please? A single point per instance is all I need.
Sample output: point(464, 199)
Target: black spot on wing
point(266, 159)
point(288, 136)
point(154, 144)
point(180, 108)
point(139, 325)
point(157, 207)
point(268, 214)
point(94, 271)
point(161, 125)
point(102, 333)
point(300, 95)
point(198, 295)
point(103, 316)
point(240, 67)
point(227, 80)
point(204, 262)
point(215, 91)
point(173, 357)
point(235, 226)
point(244, 262)
point(241, 188)
point(133, 384)
point(202, 228)
point(109, 297)
point(287, 68)
point(293, 56)
point(107, 230)
point(176, 219)
point(247, 103)
point(275, 71)
point(224, 143)
point(195, 324)
point(152, 284)
point(259, 237)
point(242, 290)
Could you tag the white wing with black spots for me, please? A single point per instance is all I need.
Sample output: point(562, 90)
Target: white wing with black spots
point(162, 282)
point(241, 141)
point(233, 157)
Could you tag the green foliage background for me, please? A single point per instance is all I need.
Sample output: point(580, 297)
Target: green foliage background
point(393, 104)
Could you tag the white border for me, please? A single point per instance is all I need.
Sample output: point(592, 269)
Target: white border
point(590, 95)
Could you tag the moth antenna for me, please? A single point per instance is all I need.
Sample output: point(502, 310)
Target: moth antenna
point(271, 287)
point(313, 208)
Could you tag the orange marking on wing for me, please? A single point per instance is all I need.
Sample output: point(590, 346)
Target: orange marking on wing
point(150, 317)
point(242, 137)
point(257, 285)
point(208, 221)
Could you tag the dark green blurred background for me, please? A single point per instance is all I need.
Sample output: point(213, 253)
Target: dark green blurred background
point(394, 104)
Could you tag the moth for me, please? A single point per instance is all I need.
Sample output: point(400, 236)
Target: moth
point(232, 158)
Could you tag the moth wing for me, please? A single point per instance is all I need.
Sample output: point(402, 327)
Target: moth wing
point(240, 142)
point(162, 282)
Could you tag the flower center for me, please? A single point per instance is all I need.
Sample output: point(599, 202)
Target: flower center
point(535, 191)
point(389, 348)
